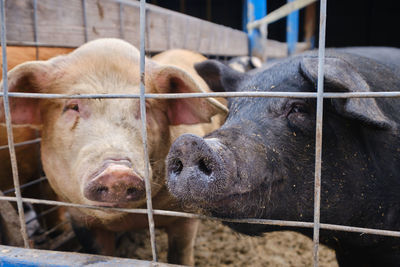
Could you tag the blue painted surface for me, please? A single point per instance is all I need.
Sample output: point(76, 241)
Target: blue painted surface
point(312, 42)
point(292, 30)
point(254, 10)
point(8, 263)
point(13, 256)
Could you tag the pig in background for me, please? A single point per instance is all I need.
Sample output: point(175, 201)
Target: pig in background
point(244, 63)
point(92, 150)
point(251, 65)
point(28, 156)
point(260, 163)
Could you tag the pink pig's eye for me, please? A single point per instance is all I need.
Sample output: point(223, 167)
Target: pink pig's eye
point(71, 106)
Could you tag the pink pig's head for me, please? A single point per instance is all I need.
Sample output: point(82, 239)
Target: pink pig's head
point(92, 149)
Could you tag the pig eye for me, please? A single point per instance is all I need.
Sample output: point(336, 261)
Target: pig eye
point(71, 106)
point(298, 108)
point(300, 118)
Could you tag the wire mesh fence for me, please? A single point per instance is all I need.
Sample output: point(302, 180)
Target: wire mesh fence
point(320, 95)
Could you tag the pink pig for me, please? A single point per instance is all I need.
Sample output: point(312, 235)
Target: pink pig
point(92, 150)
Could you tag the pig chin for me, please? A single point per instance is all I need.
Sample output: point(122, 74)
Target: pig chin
point(114, 184)
point(233, 205)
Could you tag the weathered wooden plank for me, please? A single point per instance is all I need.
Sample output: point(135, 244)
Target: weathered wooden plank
point(60, 23)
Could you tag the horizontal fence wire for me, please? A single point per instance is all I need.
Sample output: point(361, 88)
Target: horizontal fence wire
point(393, 94)
point(324, 226)
point(12, 190)
point(29, 142)
point(42, 214)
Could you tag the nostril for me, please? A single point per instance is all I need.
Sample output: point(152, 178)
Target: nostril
point(177, 166)
point(131, 191)
point(204, 167)
point(102, 189)
point(133, 194)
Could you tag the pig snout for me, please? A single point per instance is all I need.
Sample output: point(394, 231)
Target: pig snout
point(117, 183)
point(199, 169)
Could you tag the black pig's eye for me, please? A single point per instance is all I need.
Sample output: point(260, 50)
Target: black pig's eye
point(71, 106)
point(299, 117)
point(298, 108)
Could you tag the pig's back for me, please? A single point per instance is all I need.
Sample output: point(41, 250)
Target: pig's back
point(185, 60)
point(385, 55)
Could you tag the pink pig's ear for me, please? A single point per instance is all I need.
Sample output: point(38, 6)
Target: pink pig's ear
point(170, 79)
point(29, 77)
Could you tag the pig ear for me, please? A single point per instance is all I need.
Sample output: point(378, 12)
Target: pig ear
point(219, 77)
point(170, 79)
point(28, 77)
point(340, 76)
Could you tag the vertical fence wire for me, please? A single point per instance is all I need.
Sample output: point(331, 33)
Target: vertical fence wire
point(144, 127)
point(121, 21)
point(85, 20)
point(318, 134)
point(36, 40)
point(9, 128)
point(35, 28)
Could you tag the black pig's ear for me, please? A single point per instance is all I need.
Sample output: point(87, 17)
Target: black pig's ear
point(340, 76)
point(219, 77)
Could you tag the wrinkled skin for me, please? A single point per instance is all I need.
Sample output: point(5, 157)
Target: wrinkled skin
point(260, 163)
point(92, 150)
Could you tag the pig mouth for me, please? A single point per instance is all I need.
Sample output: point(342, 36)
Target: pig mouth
point(237, 206)
point(253, 203)
point(233, 206)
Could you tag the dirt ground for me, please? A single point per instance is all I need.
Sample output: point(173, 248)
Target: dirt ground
point(217, 245)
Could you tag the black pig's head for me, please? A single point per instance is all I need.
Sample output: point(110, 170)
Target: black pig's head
point(261, 163)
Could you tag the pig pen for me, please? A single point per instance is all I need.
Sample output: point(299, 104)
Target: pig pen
point(216, 245)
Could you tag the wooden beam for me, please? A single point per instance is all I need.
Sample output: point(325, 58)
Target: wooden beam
point(60, 23)
point(279, 13)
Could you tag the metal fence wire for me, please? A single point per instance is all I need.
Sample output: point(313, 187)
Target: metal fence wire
point(319, 95)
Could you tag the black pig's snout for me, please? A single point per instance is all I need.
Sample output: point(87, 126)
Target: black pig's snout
point(192, 151)
point(198, 168)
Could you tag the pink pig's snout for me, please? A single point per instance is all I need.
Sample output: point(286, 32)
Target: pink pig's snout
point(116, 184)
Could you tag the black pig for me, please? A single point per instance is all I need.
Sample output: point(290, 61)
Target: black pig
point(260, 163)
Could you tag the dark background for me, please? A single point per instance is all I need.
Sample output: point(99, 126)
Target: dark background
point(349, 22)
